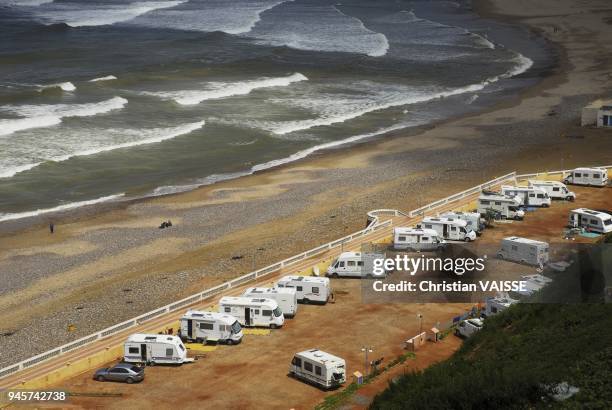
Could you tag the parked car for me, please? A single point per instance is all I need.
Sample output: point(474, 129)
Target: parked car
point(468, 327)
point(122, 372)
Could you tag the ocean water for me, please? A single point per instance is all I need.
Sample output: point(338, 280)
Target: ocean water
point(111, 99)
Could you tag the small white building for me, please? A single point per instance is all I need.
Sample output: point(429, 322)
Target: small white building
point(319, 368)
point(598, 113)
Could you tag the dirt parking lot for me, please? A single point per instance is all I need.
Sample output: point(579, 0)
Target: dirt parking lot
point(253, 374)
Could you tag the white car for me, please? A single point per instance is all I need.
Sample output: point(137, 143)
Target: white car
point(468, 327)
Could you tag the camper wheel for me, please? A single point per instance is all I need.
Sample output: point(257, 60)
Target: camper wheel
point(273, 326)
point(229, 342)
point(467, 239)
point(500, 256)
point(569, 198)
point(151, 363)
point(101, 378)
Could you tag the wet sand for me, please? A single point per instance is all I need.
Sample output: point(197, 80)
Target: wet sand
point(111, 263)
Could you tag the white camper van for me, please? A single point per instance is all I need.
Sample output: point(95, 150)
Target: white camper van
point(473, 219)
point(210, 327)
point(417, 239)
point(154, 349)
point(253, 311)
point(285, 297)
point(319, 368)
point(554, 189)
point(498, 303)
point(505, 206)
point(310, 289)
point(588, 176)
point(593, 221)
point(355, 264)
point(453, 229)
point(524, 250)
point(533, 283)
point(529, 196)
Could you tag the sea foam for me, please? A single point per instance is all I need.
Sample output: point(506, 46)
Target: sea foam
point(105, 78)
point(216, 90)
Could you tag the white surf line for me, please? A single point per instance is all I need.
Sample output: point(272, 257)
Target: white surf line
point(60, 208)
point(105, 78)
point(385, 41)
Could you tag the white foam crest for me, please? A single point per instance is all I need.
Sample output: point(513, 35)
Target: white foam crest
point(344, 110)
point(151, 136)
point(96, 14)
point(105, 78)
point(98, 142)
point(47, 115)
point(65, 86)
point(60, 208)
point(232, 17)
point(216, 90)
point(28, 3)
point(320, 28)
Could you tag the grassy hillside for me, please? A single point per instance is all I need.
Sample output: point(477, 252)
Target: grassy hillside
point(520, 352)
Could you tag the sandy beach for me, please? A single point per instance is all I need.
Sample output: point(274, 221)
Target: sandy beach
point(107, 264)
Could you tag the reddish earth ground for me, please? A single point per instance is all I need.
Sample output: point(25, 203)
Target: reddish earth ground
point(254, 373)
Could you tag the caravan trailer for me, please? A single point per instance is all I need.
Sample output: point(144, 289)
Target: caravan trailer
point(587, 176)
point(450, 229)
point(523, 250)
point(210, 327)
point(285, 297)
point(593, 221)
point(417, 239)
point(529, 196)
point(355, 264)
point(498, 303)
point(154, 349)
point(253, 311)
point(554, 189)
point(505, 207)
point(310, 289)
point(319, 368)
point(473, 219)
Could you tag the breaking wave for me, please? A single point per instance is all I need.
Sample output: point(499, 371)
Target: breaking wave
point(105, 78)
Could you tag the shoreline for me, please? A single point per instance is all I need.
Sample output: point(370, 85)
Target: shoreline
point(96, 255)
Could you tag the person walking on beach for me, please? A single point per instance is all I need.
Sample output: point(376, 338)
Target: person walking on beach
point(51, 227)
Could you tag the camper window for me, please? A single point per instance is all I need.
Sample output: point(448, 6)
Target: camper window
point(236, 327)
point(318, 370)
point(484, 202)
point(341, 264)
point(278, 312)
point(428, 226)
point(359, 263)
point(577, 174)
point(299, 288)
point(134, 350)
point(169, 352)
point(424, 239)
point(297, 362)
point(608, 222)
point(181, 347)
point(227, 309)
point(453, 229)
point(308, 366)
point(266, 312)
point(208, 326)
point(315, 289)
point(350, 263)
point(595, 175)
point(256, 311)
point(493, 309)
point(540, 195)
point(401, 238)
point(594, 222)
point(497, 203)
point(556, 189)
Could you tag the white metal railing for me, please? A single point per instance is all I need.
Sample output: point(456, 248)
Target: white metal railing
point(461, 195)
point(374, 225)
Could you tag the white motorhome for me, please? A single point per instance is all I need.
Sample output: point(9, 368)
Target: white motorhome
point(154, 349)
point(533, 283)
point(505, 206)
point(203, 326)
point(473, 219)
point(285, 297)
point(309, 289)
point(587, 176)
point(554, 189)
point(468, 327)
point(529, 196)
point(355, 264)
point(253, 311)
point(523, 250)
point(450, 229)
point(498, 303)
point(593, 221)
point(417, 239)
point(319, 368)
